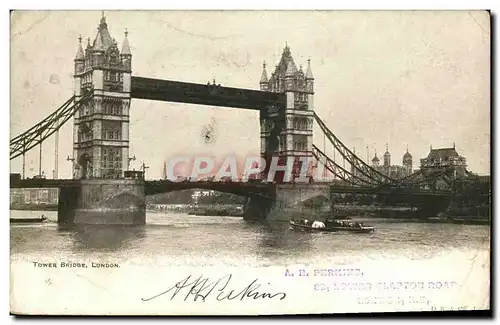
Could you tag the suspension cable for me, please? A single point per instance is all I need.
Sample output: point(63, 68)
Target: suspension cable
point(351, 158)
point(27, 140)
point(339, 171)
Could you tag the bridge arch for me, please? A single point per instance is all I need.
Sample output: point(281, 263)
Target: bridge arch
point(237, 188)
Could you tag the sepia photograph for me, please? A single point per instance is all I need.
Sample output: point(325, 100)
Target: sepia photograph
point(264, 162)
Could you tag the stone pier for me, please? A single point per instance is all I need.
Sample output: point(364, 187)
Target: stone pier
point(258, 207)
point(103, 201)
point(290, 201)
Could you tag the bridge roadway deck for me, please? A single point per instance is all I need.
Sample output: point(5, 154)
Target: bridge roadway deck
point(45, 183)
point(388, 191)
point(160, 186)
point(240, 188)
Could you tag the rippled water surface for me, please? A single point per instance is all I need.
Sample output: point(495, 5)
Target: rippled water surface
point(181, 239)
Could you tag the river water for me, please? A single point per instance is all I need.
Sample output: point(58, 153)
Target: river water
point(178, 239)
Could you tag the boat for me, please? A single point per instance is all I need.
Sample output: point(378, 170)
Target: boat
point(331, 225)
point(29, 220)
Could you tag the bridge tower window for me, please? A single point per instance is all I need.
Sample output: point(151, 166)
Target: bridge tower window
point(300, 143)
point(112, 106)
point(282, 146)
point(300, 102)
point(111, 162)
point(300, 123)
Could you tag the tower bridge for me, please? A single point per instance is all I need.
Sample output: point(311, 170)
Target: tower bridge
point(100, 190)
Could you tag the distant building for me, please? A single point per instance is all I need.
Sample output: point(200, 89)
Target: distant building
point(444, 158)
point(393, 171)
point(34, 196)
point(408, 162)
point(202, 193)
point(16, 196)
point(164, 173)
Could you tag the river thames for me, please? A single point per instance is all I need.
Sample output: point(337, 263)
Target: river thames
point(179, 239)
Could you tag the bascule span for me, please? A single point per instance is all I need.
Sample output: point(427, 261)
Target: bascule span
point(122, 201)
point(264, 201)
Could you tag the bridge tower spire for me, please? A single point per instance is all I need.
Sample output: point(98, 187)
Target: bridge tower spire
point(263, 78)
point(295, 134)
point(101, 125)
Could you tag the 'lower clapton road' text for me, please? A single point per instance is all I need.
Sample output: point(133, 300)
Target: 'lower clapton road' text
point(74, 265)
point(382, 285)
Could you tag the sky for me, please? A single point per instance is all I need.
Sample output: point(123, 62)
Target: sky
point(405, 78)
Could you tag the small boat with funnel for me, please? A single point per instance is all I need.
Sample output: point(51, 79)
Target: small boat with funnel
point(331, 225)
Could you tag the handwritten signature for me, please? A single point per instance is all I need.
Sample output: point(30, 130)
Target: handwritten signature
point(201, 288)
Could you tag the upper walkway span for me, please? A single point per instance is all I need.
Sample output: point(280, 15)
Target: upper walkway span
point(209, 94)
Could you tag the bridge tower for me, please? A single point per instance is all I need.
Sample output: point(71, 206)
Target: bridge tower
point(101, 125)
point(295, 135)
point(101, 138)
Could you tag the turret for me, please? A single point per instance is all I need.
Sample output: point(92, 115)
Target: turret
point(263, 78)
point(408, 162)
point(309, 78)
point(101, 42)
point(375, 160)
point(126, 54)
point(79, 58)
point(97, 51)
point(289, 75)
point(98, 46)
point(88, 48)
point(387, 156)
